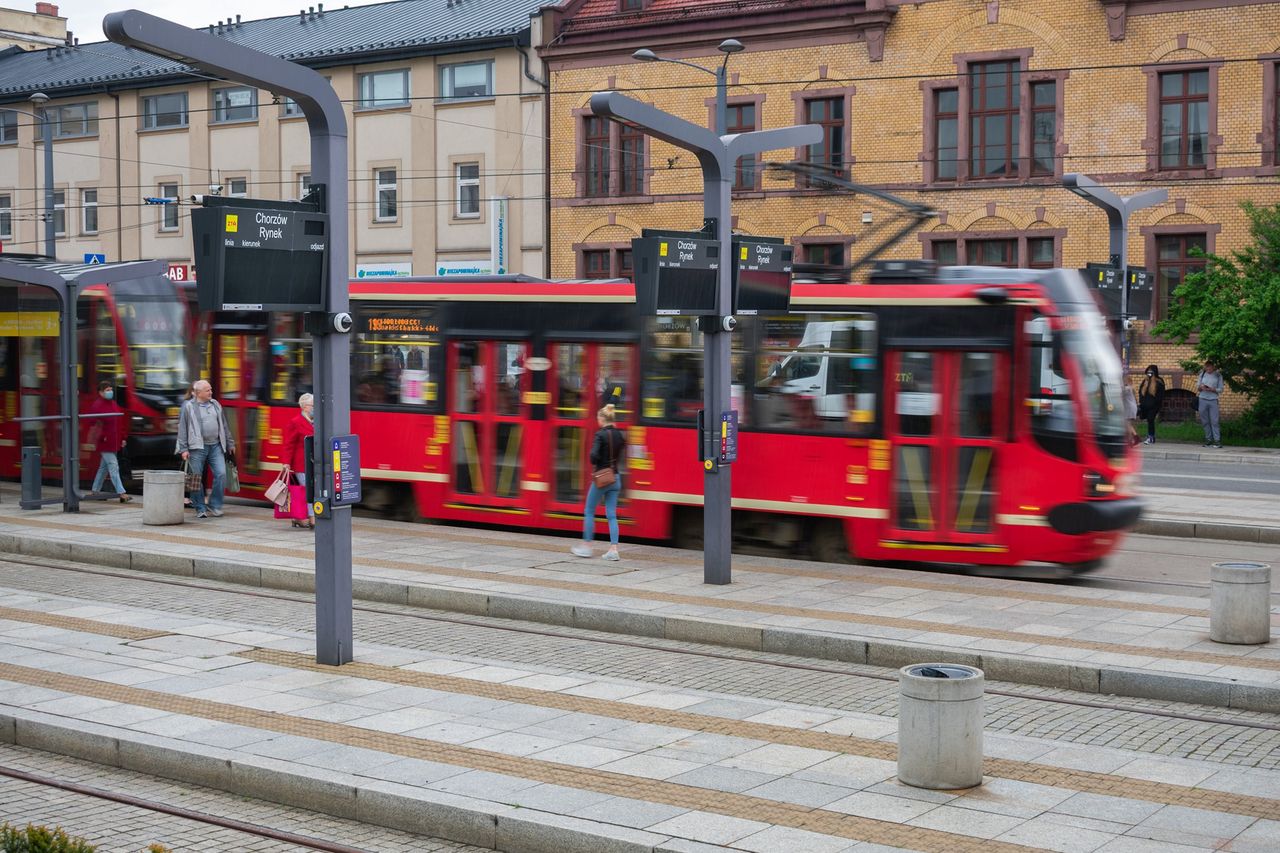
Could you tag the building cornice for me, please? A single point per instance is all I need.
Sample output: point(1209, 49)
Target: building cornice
point(1119, 11)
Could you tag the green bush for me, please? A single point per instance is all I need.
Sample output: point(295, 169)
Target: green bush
point(41, 839)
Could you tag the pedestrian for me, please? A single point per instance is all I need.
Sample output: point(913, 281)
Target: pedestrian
point(295, 453)
point(606, 452)
point(107, 434)
point(1208, 390)
point(1151, 400)
point(1130, 412)
point(204, 439)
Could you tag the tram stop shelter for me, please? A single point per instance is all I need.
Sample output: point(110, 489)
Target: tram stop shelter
point(66, 281)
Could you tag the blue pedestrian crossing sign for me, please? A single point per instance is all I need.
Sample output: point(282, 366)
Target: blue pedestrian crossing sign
point(91, 258)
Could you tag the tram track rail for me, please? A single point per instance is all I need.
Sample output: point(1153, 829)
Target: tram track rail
point(683, 649)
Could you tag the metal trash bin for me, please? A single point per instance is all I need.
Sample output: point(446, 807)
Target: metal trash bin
point(162, 497)
point(940, 726)
point(1240, 603)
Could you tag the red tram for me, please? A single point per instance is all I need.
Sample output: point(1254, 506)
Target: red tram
point(130, 333)
point(972, 418)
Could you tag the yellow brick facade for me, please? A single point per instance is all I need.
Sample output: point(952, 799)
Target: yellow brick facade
point(1104, 89)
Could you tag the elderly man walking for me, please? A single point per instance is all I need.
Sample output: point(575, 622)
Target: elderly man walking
point(203, 438)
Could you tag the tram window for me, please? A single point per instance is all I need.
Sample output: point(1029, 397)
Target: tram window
point(469, 378)
point(977, 394)
point(508, 368)
point(106, 349)
point(613, 380)
point(816, 373)
point(671, 388)
point(289, 357)
point(1053, 417)
point(398, 359)
point(154, 322)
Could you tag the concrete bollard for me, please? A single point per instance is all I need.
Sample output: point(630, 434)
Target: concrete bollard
point(162, 497)
point(940, 726)
point(1240, 603)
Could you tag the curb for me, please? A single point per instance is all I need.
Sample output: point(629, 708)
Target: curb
point(891, 654)
point(466, 820)
point(1186, 529)
point(1227, 457)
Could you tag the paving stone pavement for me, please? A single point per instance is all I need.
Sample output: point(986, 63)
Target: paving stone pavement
point(114, 827)
point(523, 755)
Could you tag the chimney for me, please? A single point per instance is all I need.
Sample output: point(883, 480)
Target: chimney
point(47, 9)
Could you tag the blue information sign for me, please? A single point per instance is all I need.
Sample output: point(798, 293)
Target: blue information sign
point(94, 258)
point(728, 445)
point(346, 469)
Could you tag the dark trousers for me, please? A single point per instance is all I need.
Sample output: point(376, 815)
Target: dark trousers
point(1151, 424)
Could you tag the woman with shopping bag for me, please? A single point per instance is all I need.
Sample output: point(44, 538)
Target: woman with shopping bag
point(295, 462)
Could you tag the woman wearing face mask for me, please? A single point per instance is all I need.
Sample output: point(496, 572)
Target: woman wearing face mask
point(107, 434)
point(1151, 400)
point(295, 456)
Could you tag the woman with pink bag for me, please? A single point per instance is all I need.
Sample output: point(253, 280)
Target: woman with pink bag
point(295, 458)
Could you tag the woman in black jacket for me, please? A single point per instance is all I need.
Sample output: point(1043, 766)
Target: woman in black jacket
point(1151, 400)
point(606, 452)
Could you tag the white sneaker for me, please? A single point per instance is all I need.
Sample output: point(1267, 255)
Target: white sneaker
point(611, 555)
point(581, 550)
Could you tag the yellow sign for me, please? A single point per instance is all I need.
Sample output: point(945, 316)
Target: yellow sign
point(879, 455)
point(654, 407)
point(708, 464)
point(233, 223)
point(662, 250)
point(29, 324)
point(318, 507)
point(744, 253)
point(537, 398)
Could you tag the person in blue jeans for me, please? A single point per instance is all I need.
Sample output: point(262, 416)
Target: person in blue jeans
point(107, 435)
point(606, 452)
point(204, 439)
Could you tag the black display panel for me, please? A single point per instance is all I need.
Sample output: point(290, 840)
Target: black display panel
point(761, 277)
point(676, 275)
point(686, 291)
point(257, 258)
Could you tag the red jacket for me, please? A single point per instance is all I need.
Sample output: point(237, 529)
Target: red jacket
point(294, 450)
point(110, 431)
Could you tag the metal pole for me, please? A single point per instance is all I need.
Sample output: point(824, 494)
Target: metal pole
point(717, 486)
point(50, 235)
point(70, 405)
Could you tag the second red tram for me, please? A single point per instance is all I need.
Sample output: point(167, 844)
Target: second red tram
point(972, 418)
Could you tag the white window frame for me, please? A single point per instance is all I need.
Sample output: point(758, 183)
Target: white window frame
point(88, 120)
point(379, 187)
point(448, 72)
point(304, 184)
point(8, 127)
point(150, 115)
point(365, 100)
point(6, 216)
point(220, 105)
point(231, 187)
point(461, 184)
point(167, 209)
point(59, 212)
point(89, 210)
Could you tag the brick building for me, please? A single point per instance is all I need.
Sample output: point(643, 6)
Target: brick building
point(974, 107)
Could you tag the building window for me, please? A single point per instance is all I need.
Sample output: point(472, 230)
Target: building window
point(992, 253)
point(236, 103)
point(169, 212)
point(1040, 252)
point(8, 127)
point(380, 89)
point(946, 132)
point(613, 158)
point(625, 267)
point(385, 192)
point(742, 119)
point(6, 217)
point(289, 107)
point(1184, 119)
point(994, 100)
point(88, 211)
point(468, 183)
point(238, 187)
point(1044, 127)
point(605, 263)
point(827, 155)
point(71, 120)
point(945, 252)
point(467, 80)
point(829, 254)
point(1174, 263)
point(631, 5)
point(304, 185)
point(1275, 129)
point(162, 111)
point(595, 263)
point(60, 213)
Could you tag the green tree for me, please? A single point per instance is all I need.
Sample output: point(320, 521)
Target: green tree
point(1234, 306)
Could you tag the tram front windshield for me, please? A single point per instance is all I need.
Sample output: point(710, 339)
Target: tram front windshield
point(1082, 338)
point(154, 328)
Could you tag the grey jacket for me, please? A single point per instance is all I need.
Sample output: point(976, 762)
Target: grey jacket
point(189, 435)
point(1213, 380)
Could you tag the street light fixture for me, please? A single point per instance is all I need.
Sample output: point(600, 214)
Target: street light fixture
point(39, 99)
point(728, 47)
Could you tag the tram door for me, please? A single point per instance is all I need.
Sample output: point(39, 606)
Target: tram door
point(945, 423)
point(487, 384)
point(584, 378)
point(239, 375)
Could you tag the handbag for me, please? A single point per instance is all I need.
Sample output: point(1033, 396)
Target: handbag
point(296, 505)
point(194, 481)
point(233, 476)
point(606, 477)
point(278, 491)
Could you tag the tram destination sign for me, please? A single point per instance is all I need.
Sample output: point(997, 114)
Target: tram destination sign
point(761, 275)
point(676, 274)
point(260, 256)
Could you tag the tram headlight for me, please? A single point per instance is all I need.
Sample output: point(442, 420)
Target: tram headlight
point(1096, 485)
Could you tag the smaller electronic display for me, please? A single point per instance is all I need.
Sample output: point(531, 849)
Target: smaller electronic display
point(761, 276)
point(676, 275)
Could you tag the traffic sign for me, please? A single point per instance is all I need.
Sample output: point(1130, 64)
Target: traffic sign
point(94, 258)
